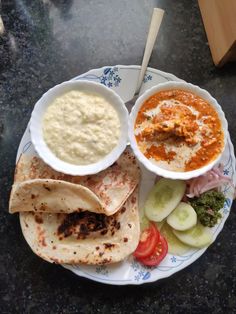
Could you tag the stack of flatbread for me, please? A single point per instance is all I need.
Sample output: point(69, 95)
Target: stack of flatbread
point(69, 219)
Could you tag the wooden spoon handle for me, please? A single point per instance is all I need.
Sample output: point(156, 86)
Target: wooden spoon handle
point(154, 27)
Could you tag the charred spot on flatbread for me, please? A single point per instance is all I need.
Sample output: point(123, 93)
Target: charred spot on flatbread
point(87, 224)
point(60, 238)
point(82, 224)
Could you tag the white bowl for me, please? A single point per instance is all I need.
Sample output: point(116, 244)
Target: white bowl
point(145, 161)
point(44, 151)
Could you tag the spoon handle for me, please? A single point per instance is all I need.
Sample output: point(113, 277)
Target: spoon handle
point(154, 27)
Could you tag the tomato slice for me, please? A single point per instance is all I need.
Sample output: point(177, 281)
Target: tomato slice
point(158, 255)
point(148, 241)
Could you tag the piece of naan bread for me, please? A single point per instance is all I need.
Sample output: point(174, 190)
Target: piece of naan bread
point(52, 196)
point(112, 185)
point(84, 237)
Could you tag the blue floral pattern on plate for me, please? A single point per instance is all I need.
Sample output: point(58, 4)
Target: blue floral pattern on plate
point(141, 272)
point(109, 77)
point(147, 77)
point(102, 270)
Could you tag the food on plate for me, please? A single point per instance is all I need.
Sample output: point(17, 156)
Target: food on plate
point(52, 196)
point(207, 207)
point(163, 198)
point(152, 247)
point(183, 217)
point(204, 194)
point(112, 185)
point(144, 222)
point(175, 246)
point(106, 229)
point(159, 224)
point(178, 130)
point(198, 236)
point(212, 179)
point(147, 243)
point(98, 220)
point(95, 235)
point(86, 237)
point(159, 253)
point(81, 127)
point(187, 211)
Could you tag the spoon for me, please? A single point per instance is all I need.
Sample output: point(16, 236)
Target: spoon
point(154, 27)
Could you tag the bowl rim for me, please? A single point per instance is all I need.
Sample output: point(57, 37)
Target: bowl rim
point(145, 161)
point(44, 151)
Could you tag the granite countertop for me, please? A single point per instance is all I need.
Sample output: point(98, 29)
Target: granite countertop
point(46, 42)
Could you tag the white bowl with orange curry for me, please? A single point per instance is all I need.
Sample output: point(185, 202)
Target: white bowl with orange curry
point(177, 130)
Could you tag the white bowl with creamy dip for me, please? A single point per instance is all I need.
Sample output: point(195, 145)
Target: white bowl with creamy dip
point(177, 130)
point(79, 127)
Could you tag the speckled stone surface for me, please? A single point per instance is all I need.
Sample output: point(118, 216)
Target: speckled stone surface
point(48, 41)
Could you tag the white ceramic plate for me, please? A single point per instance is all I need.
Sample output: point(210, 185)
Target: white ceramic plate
point(122, 79)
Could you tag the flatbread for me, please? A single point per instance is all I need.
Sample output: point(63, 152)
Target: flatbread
point(52, 196)
point(112, 186)
point(64, 239)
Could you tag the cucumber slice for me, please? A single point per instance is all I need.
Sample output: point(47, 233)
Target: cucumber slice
point(198, 236)
point(160, 224)
point(163, 198)
point(175, 246)
point(144, 223)
point(183, 217)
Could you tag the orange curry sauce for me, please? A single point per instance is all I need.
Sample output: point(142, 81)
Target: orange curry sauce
point(183, 120)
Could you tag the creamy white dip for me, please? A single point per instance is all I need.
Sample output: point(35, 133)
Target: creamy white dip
point(81, 128)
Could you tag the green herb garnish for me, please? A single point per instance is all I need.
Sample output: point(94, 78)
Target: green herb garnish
point(207, 207)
